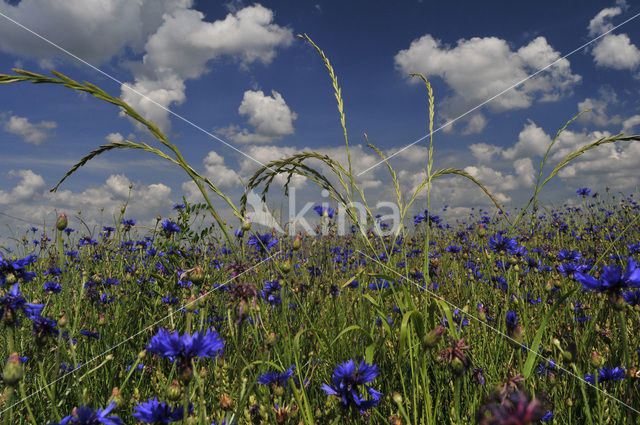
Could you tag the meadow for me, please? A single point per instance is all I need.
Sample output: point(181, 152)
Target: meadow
point(491, 320)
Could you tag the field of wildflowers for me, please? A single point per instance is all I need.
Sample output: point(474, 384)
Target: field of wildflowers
point(487, 320)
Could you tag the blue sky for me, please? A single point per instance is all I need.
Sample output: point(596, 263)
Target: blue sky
point(237, 70)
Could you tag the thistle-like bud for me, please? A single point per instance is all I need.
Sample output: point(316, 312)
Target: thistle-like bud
point(431, 339)
point(174, 392)
point(11, 278)
point(13, 371)
point(197, 275)
point(116, 397)
point(123, 208)
point(297, 243)
point(246, 225)
point(62, 222)
point(62, 321)
point(596, 360)
point(191, 304)
point(457, 366)
point(286, 267)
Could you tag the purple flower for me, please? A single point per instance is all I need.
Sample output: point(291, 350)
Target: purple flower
point(279, 379)
point(347, 382)
point(16, 268)
point(170, 227)
point(85, 415)
point(262, 243)
point(612, 278)
point(499, 243)
point(155, 412)
point(324, 210)
point(584, 191)
point(13, 302)
point(607, 374)
point(185, 347)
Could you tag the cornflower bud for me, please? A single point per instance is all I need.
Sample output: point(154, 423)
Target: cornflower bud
point(62, 222)
point(13, 371)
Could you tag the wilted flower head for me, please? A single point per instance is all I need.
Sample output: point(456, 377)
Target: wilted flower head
point(455, 355)
point(513, 408)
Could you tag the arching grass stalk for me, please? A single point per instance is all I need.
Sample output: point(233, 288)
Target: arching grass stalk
point(603, 140)
point(197, 178)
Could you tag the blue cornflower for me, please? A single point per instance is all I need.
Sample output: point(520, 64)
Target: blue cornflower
point(322, 211)
point(16, 268)
point(52, 287)
point(632, 298)
point(44, 327)
point(500, 243)
point(511, 320)
point(262, 243)
point(278, 379)
point(612, 278)
point(347, 381)
point(566, 255)
point(170, 227)
point(185, 347)
point(155, 412)
point(454, 249)
point(128, 223)
point(271, 292)
point(84, 415)
point(13, 302)
point(178, 206)
point(583, 191)
point(567, 269)
point(607, 374)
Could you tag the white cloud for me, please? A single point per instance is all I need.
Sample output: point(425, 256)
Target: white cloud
point(94, 30)
point(185, 42)
point(532, 141)
point(599, 24)
point(475, 125)
point(484, 152)
point(30, 132)
point(29, 186)
point(630, 123)
point(270, 117)
point(114, 138)
point(616, 51)
point(218, 173)
point(613, 50)
point(480, 68)
point(598, 114)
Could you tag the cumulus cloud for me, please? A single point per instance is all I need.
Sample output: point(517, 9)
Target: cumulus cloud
point(532, 141)
point(616, 51)
point(218, 173)
point(630, 123)
point(30, 132)
point(480, 68)
point(613, 50)
point(29, 186)
point(475, 124)
point(183, 44)
point(270, 117)
point(114, 138)
point(598, 114)
point(94, 30)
